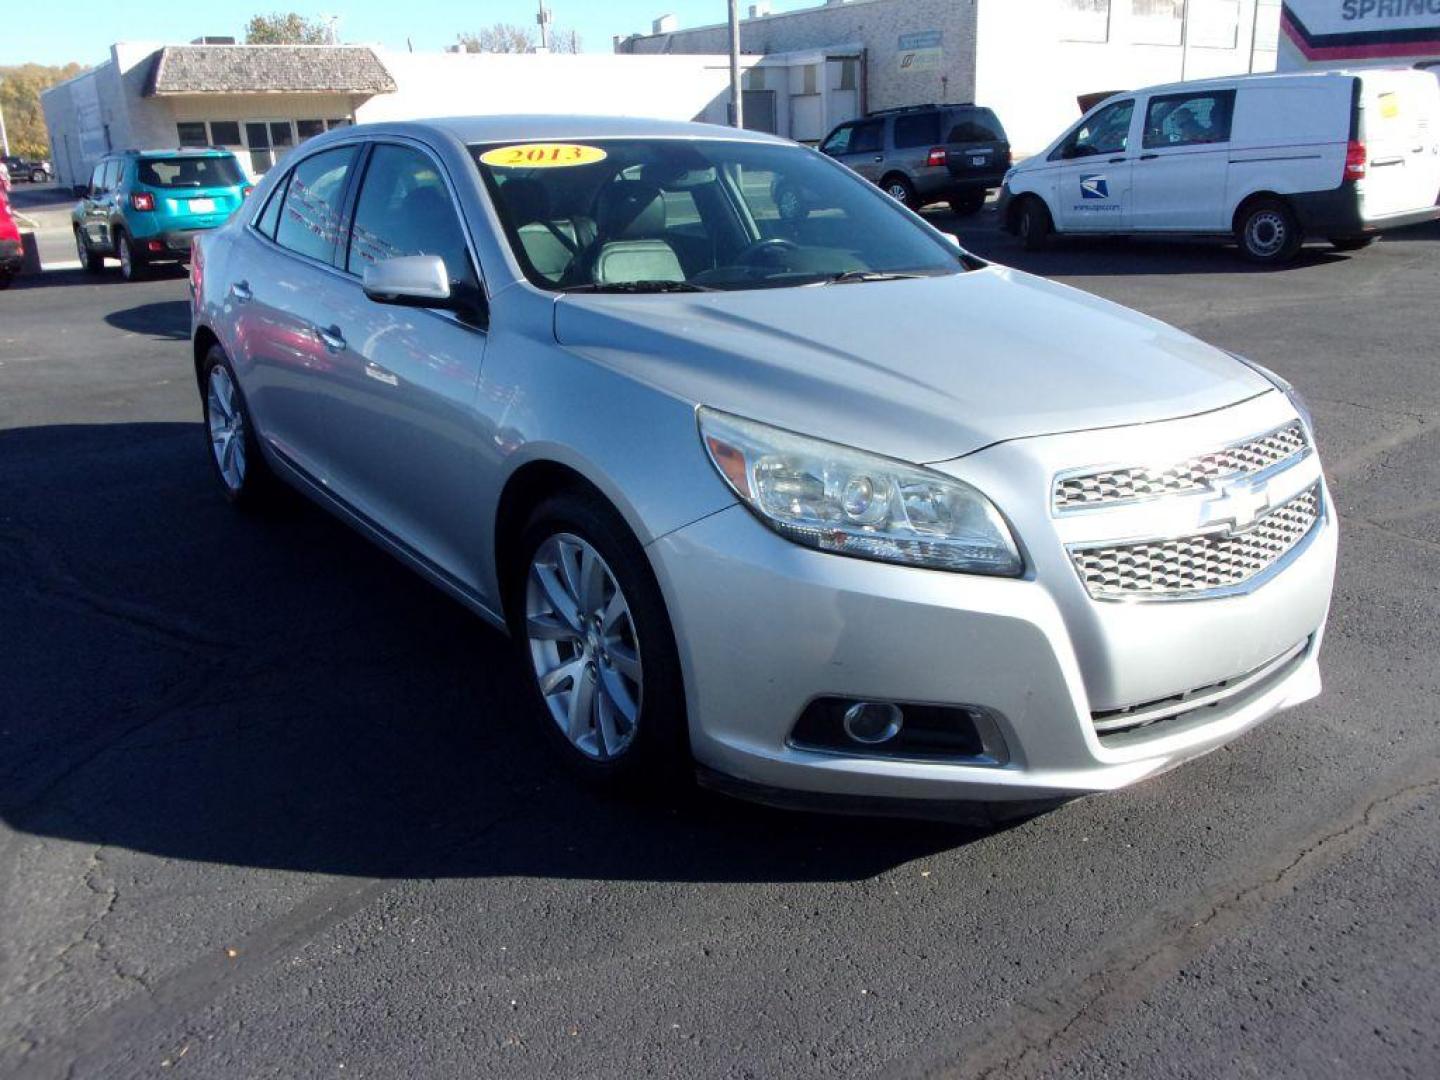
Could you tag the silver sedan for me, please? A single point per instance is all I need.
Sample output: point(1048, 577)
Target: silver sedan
point(769, 480)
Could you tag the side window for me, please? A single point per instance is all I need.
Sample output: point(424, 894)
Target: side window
point(868, 138)
point(405, 209)
point(271, 214)
point(1107, 132)
point(1189, 119)
point(977, 125)
point(113, 169)
point(839, 140)
point(920, 129)
point(310, 219)
point(97, 180)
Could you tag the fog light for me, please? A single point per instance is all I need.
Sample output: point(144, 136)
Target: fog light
point(872, 722)
point(155, 245)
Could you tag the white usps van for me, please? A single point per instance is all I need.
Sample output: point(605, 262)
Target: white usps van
point(1270, 160)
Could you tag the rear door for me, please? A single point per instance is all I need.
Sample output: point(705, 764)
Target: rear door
point(1092, 184)
point(1179, 176)
point(1400, 127)
point(977, 150)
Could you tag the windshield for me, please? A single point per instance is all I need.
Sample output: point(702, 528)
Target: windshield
point(662, 215)
point(190, 172)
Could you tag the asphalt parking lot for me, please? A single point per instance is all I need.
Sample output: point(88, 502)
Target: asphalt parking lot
point(267, 807)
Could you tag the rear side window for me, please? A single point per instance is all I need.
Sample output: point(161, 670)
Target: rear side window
point(1189, 119)
point(189, 172)
point(271, 214)
point(918, 129)
point(977, 125)
point(310, 219)
point(405, 209)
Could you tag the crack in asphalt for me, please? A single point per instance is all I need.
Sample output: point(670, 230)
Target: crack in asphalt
point(1027, 1037)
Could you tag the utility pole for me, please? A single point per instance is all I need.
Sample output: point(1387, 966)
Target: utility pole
point(544, 20)
point(737, 101)
point(1254, 30)
point(1184, 38)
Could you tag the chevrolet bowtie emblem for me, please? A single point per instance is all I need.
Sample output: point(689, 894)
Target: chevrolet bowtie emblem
point(1237, 504)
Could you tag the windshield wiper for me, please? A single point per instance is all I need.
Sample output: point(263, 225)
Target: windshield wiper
point(639, 287)
point(847, 276)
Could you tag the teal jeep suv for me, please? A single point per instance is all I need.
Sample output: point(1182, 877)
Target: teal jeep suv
point(143, 206)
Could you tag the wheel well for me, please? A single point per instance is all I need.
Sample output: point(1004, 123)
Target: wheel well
point(527, 488)
point(895, 176)
point(1249, 201)
point(205, 339)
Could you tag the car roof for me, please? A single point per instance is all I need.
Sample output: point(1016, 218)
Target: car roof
point(179, 151)
point(539, 128)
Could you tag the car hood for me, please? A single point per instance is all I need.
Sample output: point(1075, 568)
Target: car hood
point(922, 370)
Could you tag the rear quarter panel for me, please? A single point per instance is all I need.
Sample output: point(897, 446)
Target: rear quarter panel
point(1288, 139)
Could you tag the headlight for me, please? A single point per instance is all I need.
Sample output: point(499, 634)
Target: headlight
point(837, 499)
point(1297, 400)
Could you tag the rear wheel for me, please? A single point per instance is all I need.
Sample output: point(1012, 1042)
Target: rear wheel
point(38, 176)
point(967, 204)
point(593, 631)
point(92, 262)
point(1033, 224)
point(1268, 233)
point(6, 277)
point(235, 455)
point(1352, 243)
point(132, 263)
point(899, 189)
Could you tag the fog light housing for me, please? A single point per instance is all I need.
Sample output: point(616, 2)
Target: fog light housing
point(873, 722)
point(155, 245)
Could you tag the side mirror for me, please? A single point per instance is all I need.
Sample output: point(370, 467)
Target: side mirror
point(409, 281)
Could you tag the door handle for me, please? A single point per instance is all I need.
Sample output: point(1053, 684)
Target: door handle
point(1116, 160)
point(1148, 157)
point(331, 338)
point(879, 157)
point(240, 290)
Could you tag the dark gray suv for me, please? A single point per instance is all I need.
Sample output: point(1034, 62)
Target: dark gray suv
point(923, 154)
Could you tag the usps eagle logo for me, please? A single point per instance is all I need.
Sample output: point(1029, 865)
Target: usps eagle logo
point(1094, 187)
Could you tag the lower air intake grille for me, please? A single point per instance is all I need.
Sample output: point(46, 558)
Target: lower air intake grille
point(1194, 565)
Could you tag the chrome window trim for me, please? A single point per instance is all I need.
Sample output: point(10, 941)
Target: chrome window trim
point(1239, 588)
point(1264, 474)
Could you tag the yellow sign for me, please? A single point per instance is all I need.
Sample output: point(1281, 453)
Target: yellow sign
point(1389, 106)
point(542, 155)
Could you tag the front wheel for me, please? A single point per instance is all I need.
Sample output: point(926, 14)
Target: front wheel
point(92, 262)
point(1269, 234)
point(1033, 225)
point(38, 176)
point(591, 625)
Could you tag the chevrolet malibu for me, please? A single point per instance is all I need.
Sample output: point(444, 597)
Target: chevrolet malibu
point(769, 481)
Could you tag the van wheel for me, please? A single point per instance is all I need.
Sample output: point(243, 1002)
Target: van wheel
point(1268, 233)
point(965, 205)
point(92, 262)
point(590, 624)
point(1352, 243)
point(1033, 224)
point(900, 189)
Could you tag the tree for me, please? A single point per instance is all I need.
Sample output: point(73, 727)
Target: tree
point(286, 28)
point(20, 89)
point(510, 38)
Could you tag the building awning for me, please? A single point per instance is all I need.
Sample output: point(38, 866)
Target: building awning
point(267, 69)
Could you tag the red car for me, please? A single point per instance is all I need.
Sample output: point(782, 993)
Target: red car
point(11, 251)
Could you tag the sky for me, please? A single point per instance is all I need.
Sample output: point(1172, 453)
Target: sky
point(83, 30)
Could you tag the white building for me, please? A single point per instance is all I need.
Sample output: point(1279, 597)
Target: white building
point(262, 100)
point(1029, 60)
point(1359, 33)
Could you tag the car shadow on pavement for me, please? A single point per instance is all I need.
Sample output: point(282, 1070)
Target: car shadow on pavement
point(193, 682)
point(167, 319)
point(68, 278)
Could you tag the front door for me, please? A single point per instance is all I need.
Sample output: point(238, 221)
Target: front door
point(1180, 175)
point(865, 152)
point(407, 377)
point(1092, 183)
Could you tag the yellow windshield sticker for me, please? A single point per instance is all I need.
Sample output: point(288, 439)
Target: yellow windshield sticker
point(542, 155)
point(1389, 106)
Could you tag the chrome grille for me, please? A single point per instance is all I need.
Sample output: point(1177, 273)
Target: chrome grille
point(1110, 486)
point(1188, 566)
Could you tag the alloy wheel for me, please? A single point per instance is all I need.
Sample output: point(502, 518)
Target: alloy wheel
point(583, 646)
point(899, 193)
point(227, 427)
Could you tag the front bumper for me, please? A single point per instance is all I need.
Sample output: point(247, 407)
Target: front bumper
point(765, 626)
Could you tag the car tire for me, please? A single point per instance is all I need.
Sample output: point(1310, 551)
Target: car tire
point(6, 277)
point(232, 446)
point(1033, 224)
point(38, 176)
point(1268, 233)
point(91, 261)
point(1352, 243)
point(132, 263)
point(966, 205)
point(900, 189)
point(627, 732)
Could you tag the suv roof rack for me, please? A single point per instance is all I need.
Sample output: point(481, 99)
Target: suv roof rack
point(927, 105)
